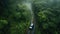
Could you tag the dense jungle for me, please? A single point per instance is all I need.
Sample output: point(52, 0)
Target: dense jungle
point(17, 15)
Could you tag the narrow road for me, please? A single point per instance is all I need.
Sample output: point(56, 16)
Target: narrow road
point(33, 30)
point(32, 21)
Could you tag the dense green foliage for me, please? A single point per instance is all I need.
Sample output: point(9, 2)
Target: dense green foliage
point(15, 16)
point(48, 17)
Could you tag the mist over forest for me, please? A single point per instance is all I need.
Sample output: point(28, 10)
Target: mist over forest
point(16, 16)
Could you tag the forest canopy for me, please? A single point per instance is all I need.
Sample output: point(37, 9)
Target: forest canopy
point(16, 15)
